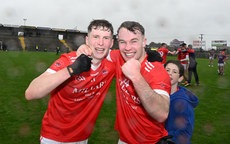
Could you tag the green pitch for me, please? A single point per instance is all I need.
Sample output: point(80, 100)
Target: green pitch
point(20, 120)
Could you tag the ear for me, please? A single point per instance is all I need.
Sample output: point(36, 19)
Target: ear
point(111, 44)
point(86, 40)
point(180, 79)
point(144, 42)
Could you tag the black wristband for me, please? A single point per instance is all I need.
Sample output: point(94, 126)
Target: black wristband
point(70, 70)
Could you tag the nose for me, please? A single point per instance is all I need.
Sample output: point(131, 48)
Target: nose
point(128, 47)
point(170, 72)
point(101, 41)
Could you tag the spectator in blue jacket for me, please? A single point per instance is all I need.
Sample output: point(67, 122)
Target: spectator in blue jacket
point(180, 122)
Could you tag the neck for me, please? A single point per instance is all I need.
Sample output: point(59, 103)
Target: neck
point(96, 62)
point(173, 89)
point(142, 58)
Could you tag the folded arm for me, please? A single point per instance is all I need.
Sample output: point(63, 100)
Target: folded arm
point(155, 104)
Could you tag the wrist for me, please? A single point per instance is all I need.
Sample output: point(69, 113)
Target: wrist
point(70, 70)
point(136, 78)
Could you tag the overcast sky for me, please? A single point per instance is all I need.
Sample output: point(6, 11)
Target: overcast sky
point(164, 20)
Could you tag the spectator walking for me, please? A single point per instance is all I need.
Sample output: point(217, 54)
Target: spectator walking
point(57, 50)
point(36, 48)
point(211, 57)
point(221, 62)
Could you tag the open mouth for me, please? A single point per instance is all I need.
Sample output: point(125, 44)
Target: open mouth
point(130, 54)
point(100, 50)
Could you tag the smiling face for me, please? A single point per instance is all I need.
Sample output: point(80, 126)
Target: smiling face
point(131, 44)
point(100, 40)
point(174, 73)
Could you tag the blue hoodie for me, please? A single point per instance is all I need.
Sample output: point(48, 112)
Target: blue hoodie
point(180, 120)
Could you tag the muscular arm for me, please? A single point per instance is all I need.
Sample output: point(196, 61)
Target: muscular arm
point(177, 52)
point(45, 83)
point(172, 53)
point(155, 104)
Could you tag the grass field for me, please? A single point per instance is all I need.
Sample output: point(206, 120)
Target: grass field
point(20, 120)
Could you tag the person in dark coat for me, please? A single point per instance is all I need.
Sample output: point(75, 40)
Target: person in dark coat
point(192, 68)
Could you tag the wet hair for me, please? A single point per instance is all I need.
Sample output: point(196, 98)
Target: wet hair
point(178, 64)
point(190, 46)
point(132, 26)
point(183, 44)
point(163, 44)
point(95, 24)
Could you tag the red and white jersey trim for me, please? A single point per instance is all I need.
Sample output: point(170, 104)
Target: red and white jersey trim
point(51, 71)
point(158, 91)
point(148, 66)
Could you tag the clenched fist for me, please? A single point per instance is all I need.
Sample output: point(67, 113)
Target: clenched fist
point(131, 68)
point(81, 64)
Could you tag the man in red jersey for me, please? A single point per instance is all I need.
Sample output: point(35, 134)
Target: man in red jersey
point(77, 91)
point(163, 51)
point(142, 89)
point(183, 57)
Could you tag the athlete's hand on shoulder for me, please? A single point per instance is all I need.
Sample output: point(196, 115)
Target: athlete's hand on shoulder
point(84, 49)
point(81, 64)
point(131, 68)
point(154, 56)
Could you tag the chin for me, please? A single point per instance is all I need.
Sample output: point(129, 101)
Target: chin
point(126, 59)
point(100, 56)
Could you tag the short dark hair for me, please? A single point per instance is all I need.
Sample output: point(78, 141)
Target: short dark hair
point(132, 26)
point(183, 44)
point(178, 64)
point(100, 23)
point(163, 44)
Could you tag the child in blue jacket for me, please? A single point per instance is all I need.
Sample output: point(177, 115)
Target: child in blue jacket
point(180, 122)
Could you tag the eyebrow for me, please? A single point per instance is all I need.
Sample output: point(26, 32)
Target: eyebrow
point(130, 40)
point(134, 39)
point(173, 69)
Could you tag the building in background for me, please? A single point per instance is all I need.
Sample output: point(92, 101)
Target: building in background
point(197, 44)
point(219, 44)
point(26, 38)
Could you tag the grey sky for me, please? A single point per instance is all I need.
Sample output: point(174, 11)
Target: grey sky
point(164, 20)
